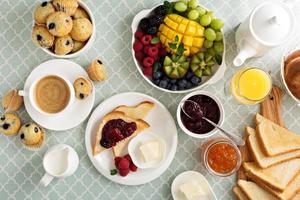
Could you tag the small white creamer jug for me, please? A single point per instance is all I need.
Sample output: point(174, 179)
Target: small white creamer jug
point(269, 25)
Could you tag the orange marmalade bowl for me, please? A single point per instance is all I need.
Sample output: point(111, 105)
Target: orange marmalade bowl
point(220, 156)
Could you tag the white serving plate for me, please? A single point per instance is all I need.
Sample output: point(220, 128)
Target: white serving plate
point(161, 122)
point(218, 71)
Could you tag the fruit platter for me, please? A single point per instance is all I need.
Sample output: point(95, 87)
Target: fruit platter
point(178, 47)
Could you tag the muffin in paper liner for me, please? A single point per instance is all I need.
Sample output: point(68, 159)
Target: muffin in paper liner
point(67, 6)
point(96, 71)
point(32, 136)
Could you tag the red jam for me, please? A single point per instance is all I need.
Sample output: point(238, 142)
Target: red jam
point(208, 108)
point(222, 158)
point(116, 130)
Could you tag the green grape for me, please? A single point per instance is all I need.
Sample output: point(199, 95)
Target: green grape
point(205, 20)
point(184, 1)
point(192, 4)
point(219, 36)
point(207, 44)
point(219, 47)
point(201, 10)
point(210, 13)
point(216, 24)
point(193, 15)
point(180, 6)
point(210, 34)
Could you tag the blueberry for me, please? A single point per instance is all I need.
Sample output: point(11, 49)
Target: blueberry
point(39, 37)
point(51, 26)
point(195, 80)
point(44, 4)
point(2, 118)
point(99, 61)
point(157, 75)
point(156, 81)
point(27, 125)
point(81, 96)
point(169, 86)
point(180, 87)
point(36, 129)
point(163, 84)
point(166, 79)
point(189, 75)
point(173, 81)
point(189, 85)
point(6, 126)
point(182, 83)
point(22, 136)
point(67, 42)
point(81, 83)
point(174, 87)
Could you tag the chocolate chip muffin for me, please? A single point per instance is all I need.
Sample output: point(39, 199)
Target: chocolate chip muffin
point(59, 24)
point(9, 124)
point(42, 11)
point(77, 46)
point(80, 13)
point(83, 88)
point(67, 6)
point(63, 45)
point(42, 37)
point(82, 29)
point(32, 135)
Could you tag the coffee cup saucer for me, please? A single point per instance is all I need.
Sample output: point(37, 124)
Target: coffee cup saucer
point(78, 110)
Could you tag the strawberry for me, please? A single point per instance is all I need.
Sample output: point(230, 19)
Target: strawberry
point(124, 172)
point(123, 164)
point(137, 46)
point(146, 40)
point(148, 62)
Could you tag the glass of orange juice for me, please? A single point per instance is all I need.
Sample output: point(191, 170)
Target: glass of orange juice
point(250, 85)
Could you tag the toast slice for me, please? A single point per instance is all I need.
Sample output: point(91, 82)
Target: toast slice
point(240, 195)
point(259, 156)
point(254, 192)
point(141, 125)
point(273, 176)
point(139, 111)
point(274, 139)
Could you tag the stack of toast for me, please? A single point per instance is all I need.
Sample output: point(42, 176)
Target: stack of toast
point(272, 164)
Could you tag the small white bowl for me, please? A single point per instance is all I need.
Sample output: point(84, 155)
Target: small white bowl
point(133, 149)
point(88, 43)
point(283, 79)
point(212, 132)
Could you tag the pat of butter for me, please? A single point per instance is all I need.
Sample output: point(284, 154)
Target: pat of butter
point(192, 191)
point(150, 151)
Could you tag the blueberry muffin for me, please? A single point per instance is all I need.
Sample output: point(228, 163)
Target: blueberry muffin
point(32, 135)
point(59, 24)
point(96, 71)
point(83, 88)
point(82, 29)
point(80, 13)
point(63, 45)
point(77, 46)
point(11, 101)
point(42, 37)
point(67, 6)
point(42, 11)
point(9, 124)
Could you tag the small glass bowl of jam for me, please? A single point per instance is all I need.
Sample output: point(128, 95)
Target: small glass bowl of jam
point(220, 156)
point(211, 108)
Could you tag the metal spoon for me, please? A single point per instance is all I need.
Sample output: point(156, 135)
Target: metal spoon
point(237, 140)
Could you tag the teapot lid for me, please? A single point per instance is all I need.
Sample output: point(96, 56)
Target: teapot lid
point(272, 23)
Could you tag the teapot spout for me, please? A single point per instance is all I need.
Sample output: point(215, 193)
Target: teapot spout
point(243, 55)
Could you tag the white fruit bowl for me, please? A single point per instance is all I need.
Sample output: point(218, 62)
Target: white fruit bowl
point(218, 71)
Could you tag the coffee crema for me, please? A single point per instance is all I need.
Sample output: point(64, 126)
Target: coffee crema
point(52, 94)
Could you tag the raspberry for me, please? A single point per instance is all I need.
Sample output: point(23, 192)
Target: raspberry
point(132, 167)
point(123, 164)
point(148, 71)
point(124, 172)
point(138, 34)
point(139, 56)
point(146, 40)
point(148, 62)
point(152, 52)
point(158, 45)
point(156, 58)
point(127, 156)
point(162, 52)
point(137, 46)
point(146, 49)
point(117, 160)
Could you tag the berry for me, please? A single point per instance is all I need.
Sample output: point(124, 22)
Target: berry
point(189, 75)
point(144, 24)
point(174, 87)
point(189, 85)
point(160, 10)
point(148, 62)
point(127, 156)
point(173, 81)
point(169, 86)
point(117, 160)
point(195, 80)
point(156, 20)
point(152, 30)
point(124, 172)
point(138, 34)
point(148, 71)
point(157, 75)
point(162, 52)
point(139, 56)
point(163, 84)
point(156, 81)
point(152, 52)
point(137, 46)
point(146, 49)
point(182, 83)
point(146, 40)
point(132, 167)
point(158, 45)
point(123, 164)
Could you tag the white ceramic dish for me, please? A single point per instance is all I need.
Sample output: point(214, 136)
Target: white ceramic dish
point(218, 71)
point(88, 44)
point(135, 154)
point(186, 177)
point(206, 135)
point(283, 79)
point(160, 120)
point(70, 71)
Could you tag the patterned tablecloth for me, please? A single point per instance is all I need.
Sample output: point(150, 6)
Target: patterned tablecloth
point(21, 170)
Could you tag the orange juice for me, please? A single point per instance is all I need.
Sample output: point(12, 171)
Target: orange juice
point(250, 85)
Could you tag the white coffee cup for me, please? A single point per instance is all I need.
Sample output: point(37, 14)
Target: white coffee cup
point(59, 161)
point(31, 95)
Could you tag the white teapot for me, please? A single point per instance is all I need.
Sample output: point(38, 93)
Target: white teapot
point(269, 25)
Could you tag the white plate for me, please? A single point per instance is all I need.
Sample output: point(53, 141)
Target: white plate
point(189, 176)
point(161, 122)
point(77, 112)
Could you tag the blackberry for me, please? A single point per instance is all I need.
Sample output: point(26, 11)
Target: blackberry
point(144, 24)
point(160, 10)
point(156, 20)
point(152, 30)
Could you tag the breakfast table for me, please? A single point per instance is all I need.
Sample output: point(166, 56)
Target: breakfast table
point(21, 170)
